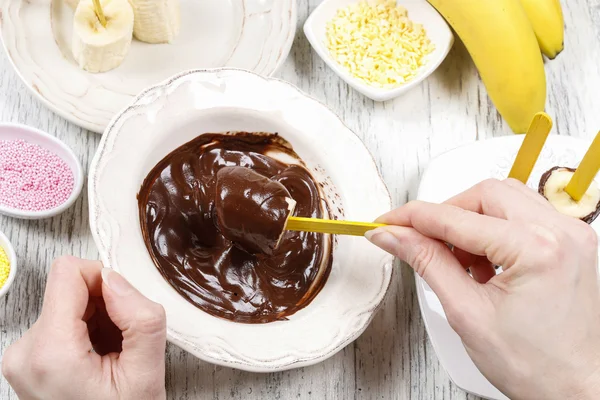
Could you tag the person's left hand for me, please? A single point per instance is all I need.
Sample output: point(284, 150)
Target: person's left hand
point(96, 338)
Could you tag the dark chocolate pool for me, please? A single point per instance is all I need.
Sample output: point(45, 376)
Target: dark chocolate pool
point(177, 215)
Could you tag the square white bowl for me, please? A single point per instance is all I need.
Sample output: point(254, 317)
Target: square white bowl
point(419, 11)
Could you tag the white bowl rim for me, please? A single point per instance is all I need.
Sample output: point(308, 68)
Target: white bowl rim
point(77, 176)
point(12, 258)
point(172, 336)
point(374, 92)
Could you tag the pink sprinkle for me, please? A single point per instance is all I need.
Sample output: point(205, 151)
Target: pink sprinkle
point(32, 178)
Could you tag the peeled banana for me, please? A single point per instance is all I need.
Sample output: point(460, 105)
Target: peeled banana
point(72, 3)
point(547, 20)
point(156, 21)
point(97, 48)
point(502, 43)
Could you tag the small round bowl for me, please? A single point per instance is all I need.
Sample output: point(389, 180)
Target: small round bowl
point(12, 258)
point(421, 12)
point(171, 114)
point(51, 143)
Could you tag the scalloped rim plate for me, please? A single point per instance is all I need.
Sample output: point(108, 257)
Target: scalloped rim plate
point(255, 35)
point(172, 113)
point(454, 172)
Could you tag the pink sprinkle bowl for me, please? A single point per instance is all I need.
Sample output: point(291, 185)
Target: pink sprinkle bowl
point(31, 135)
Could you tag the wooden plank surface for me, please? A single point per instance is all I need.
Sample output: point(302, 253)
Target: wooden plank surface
point(393, 359)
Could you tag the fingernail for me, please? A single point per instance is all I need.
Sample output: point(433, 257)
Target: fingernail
point(382, 238)
point(116, 282)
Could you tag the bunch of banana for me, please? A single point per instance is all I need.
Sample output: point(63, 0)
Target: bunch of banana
point(547, 20)
point(503, 44)
point(98, 46)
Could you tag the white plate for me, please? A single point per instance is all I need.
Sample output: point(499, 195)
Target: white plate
point(454, 172)
point(173, 113)
point(250, 34)
point(419, 11)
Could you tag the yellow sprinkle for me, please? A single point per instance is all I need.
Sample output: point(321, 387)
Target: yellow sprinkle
point(4, 267)
point(377, 43)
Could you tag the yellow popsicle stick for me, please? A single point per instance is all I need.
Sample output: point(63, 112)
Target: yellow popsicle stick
point(585, 173)
point(333, 227)
point(99, 12)
point(532, 146)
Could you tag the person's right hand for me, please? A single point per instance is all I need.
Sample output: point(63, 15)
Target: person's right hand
point(532, 330)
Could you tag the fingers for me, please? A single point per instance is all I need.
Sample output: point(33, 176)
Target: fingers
point(91, 309)
point(431, 259)
point(491, 219)
point(531, 194)
point(142, 322)
point(474, 233)
point(71, 282)
point(60, 333)
point(507, 200)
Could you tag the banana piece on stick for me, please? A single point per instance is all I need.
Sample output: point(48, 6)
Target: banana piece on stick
point(552, 187)
point(98, 48)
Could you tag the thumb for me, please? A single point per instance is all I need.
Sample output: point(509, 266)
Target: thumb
point(434, 262)
point(142, 322)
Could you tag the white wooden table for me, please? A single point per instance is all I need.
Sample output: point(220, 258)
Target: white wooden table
point(393, 359)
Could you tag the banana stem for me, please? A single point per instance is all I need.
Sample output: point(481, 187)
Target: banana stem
point(99, 12)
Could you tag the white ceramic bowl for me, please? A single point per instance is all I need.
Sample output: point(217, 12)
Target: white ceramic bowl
point(419, 11)
point(173, 113)
point(446, 176)
point(12, 258)
point(51, 143)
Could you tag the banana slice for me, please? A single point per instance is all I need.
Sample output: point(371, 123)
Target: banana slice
point(72, 3)
point(291, 208)
point(156, 21)
point(552, 187)
point(97, 48)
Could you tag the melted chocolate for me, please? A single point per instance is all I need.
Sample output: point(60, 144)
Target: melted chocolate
point(177, 210)
point(251, 210)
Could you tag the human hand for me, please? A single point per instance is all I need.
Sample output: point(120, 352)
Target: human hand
point(532, 330)
point(87, 306)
